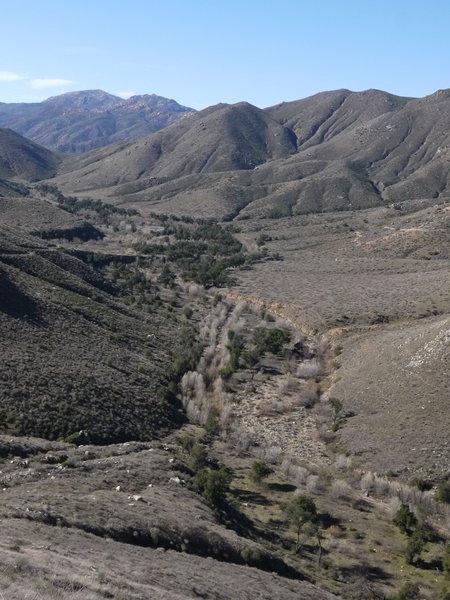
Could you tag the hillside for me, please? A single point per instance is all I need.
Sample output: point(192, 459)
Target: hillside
point(242, 409)
point(335, 151)
point(22, 159)
point(58, 316)
point(80, 121)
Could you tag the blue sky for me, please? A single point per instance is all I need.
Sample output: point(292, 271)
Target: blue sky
point(201, 52)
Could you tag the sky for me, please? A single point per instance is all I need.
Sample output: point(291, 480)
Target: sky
point(202, 52)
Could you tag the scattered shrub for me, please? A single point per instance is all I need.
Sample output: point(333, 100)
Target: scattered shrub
point(443, 492)
point(410, 591)
point(367, 483)
point(342, 462)
point(446, 560)
point(197, 457)
point(212, 424)
point(213, 486)
point(334, 531)
point(405, 519)
point(259, 471)
point(422, 484)
point(312, 482)
point(340, 489)
point(309, 369)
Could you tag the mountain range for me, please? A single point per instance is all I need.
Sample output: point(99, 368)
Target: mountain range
point(337, 150)
point(334, 151)
point(80, 121)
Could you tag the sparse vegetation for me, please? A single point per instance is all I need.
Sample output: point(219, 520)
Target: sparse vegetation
point(105, 338)
point(302, 512)
point(337, 408)
point(213, 485)
point(73, 204)
point(259, 471)
point(446, 560)
point(410, 591)
point(443, 492)
point(405, 520)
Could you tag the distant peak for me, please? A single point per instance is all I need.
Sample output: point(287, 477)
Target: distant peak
point(439, 95)
point(91, 98)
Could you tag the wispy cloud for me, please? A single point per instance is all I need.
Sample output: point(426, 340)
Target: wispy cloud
point(126, 95)
point(41, 84)
point(9, 76)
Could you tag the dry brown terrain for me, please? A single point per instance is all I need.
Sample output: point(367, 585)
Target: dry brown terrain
point(320, 347)
point(377, 283)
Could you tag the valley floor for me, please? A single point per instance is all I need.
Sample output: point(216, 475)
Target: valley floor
point(326, 359)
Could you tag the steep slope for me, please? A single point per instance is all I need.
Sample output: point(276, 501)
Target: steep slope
point(22, 159)
point(323, 116)
point(397, 147)
point(220, 138)
point(80, 121)
point(334, 151)
point(73, 355)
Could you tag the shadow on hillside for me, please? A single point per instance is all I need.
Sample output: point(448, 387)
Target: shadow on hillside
point(368, 573)
point(14, 302)
point(252, 497)
point(282, 487)
point(434, 564)
point(326, 520)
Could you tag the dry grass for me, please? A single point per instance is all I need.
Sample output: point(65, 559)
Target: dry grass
point(385, 306)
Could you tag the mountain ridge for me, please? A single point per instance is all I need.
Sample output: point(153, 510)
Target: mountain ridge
point(335, 151)
point(80, 121)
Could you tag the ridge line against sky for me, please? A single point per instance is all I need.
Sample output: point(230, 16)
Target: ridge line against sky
point(201, 52)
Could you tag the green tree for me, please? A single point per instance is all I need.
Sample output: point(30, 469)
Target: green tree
point(212, 425)
point(405, 519)
point(302, 513)
point(186, 352)
point(235, 346)
point(213, 486)
point(251, 359)
point(167, 277)
point(259, 471)
point(270, 340)
point(198, 457)
point(415, 546)
point(337, 408)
